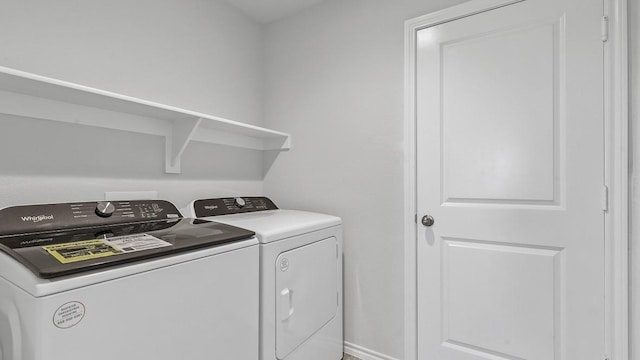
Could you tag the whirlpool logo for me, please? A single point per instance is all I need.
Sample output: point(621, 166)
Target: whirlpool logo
point(37, 218)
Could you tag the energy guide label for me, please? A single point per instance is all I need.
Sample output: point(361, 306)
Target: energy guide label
point(81, 250)
point(98, 248)
point(138, 242)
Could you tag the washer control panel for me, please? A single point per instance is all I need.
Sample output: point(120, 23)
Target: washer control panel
point(37, 218)
point(233, 205)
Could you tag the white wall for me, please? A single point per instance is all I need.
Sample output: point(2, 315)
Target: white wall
point(201, 55)
point(634, 79)
point(334, 79)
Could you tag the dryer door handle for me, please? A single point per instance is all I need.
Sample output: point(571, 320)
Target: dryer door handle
point(286, 304)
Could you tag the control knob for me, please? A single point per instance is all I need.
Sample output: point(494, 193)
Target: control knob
point(239, 202)
point(105, 209)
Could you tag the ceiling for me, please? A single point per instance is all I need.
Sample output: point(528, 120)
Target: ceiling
point(266, 11)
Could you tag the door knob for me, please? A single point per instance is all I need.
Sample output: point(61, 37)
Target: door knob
point(428, 220)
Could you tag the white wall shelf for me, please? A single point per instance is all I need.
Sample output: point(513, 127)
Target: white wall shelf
point(35, 96)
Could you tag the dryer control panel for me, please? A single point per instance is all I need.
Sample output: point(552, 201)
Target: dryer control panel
point(235, 205)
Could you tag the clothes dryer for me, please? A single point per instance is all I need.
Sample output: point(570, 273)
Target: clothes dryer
point(125, 280)
point(300, 275)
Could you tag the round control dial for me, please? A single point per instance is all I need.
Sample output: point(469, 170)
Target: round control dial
point(239, 202)
point(105, 209)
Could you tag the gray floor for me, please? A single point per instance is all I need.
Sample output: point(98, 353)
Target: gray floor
point(349, 357)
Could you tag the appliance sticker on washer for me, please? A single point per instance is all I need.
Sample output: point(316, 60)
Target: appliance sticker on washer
point(68, 315)
point(137, 242)
point(93, 249)
point(81, 250)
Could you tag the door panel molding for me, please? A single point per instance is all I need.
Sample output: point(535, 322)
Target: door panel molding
point(616, 169)
point(529, 182)
point(537, 280)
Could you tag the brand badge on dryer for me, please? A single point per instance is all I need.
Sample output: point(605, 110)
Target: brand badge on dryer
point(284, 264)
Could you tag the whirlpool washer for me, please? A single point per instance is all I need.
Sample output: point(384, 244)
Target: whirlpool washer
point(300, 275)
point(125, 280)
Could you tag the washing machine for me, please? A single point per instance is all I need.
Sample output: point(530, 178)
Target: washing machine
point(125, 280)
point(300, 275)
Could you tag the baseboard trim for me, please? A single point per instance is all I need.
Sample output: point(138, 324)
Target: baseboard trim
point(363, 353)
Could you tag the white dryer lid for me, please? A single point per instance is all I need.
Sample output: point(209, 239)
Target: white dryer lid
point(274, 225)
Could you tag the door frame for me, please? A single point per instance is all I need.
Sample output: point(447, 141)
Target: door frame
point(616, 132)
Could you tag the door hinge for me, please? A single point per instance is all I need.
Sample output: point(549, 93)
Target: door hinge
point(606, 357)
point(604, 28)
point(415, 218)
point(605, 198)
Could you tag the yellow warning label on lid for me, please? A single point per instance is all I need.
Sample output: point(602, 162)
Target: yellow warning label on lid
point(81, 250)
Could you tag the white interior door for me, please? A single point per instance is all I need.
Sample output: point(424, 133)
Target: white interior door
point(510, 165)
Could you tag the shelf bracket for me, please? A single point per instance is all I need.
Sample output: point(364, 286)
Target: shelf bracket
point(176, 141)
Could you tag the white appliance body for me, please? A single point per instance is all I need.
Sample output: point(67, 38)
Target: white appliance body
point(195, 305)
point(301, 309)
